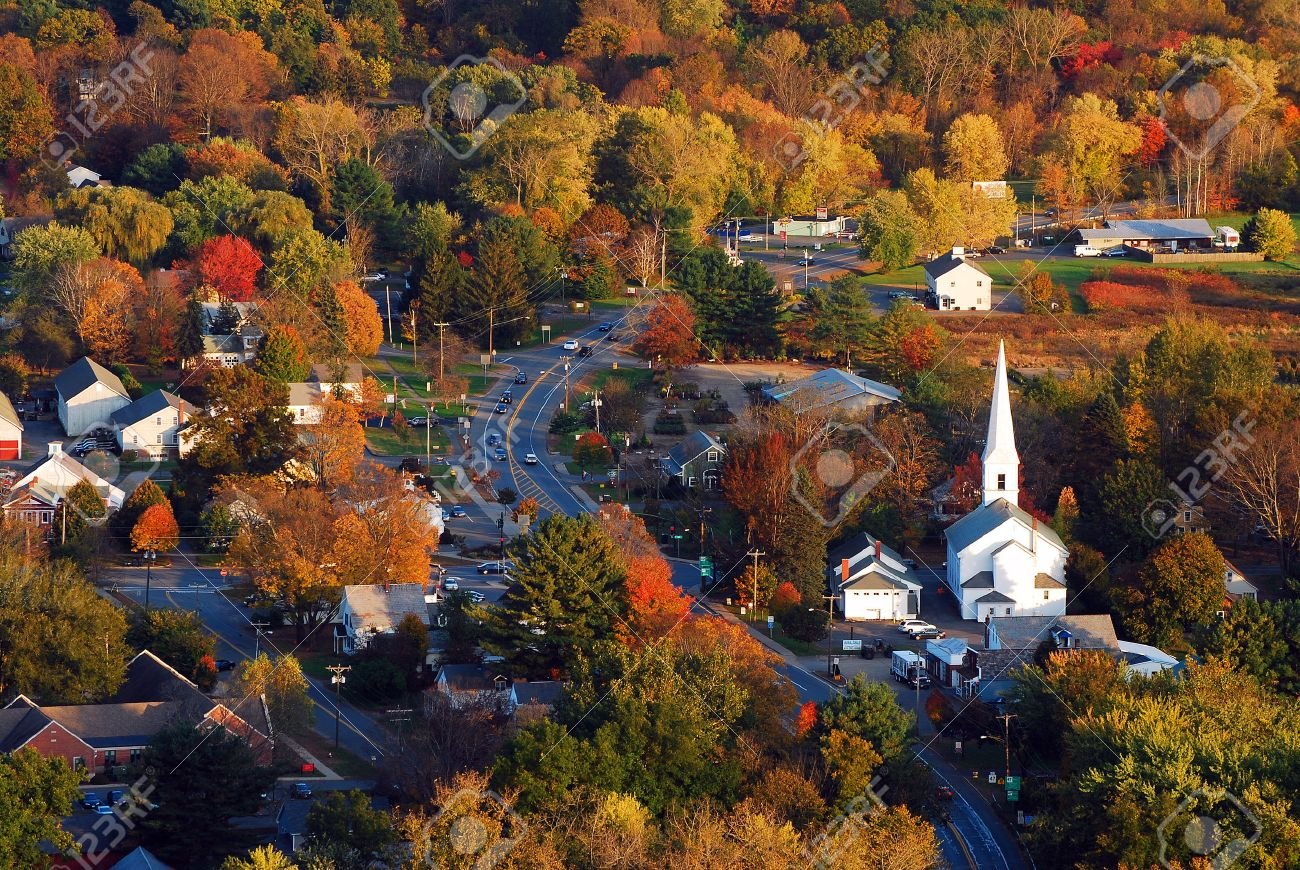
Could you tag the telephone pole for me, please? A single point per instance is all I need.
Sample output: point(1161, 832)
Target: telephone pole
point(1006, 738)
point(338, 679)
point(830, 633)
point(701, 511)
point(441, 354)
point(491, 320)
point(595, 403)
point(415, 338)
point(754, 554)
point(257, 636)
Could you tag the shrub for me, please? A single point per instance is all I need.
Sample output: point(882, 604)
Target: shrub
point(506, 495)
point(377, 679)
point(803, 623)
point(669, 424)
point(565, 423)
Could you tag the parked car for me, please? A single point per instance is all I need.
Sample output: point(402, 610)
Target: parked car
point(530, 459)
point(103, 810)
point(586, 350)
point(928, 634)
point(521, 378)
point(1086, 251)
point(411, 465)
point(458, 511)
point(418, 422)
point(301, 790)
point(476, 596)
point(571, 344)
point(606, 326)
point(89, 800)
point(496, 567)
point(222, 666)
point(906, 626)
point(995, 249)
point(451, 584)
point(116, 796)
point(899, 294)
point(1115, 252)
point(372, 277)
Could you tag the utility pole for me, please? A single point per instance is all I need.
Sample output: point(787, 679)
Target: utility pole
point(257, 636)
point(400, 716)
point(441, 353)
point(701, 511)
point(755, 554)
point(388, 296)
point(663, 261)
point(339, 678)
point(1006, 738)
point(415, 338)
point(148, 575)
point(595, 403)
point(491, 320)
point(563, 274)
point(567, 409)
point(830, 632)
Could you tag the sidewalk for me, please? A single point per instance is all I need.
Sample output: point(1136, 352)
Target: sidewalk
point(323, 769)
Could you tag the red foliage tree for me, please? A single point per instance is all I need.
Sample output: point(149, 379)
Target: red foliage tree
point(786, 595)
point(919, 346)
point(230, 265)
point(668, 338)
point(806, 721)
point(655, 605)
point(1154, 138)
point(967, 484)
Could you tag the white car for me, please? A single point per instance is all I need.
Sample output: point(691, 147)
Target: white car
point(373, 276)
point(530, 459)
point(571, 344)
point(907, 626)
point(451, 584)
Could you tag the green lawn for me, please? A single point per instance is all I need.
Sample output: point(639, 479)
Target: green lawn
point(617, 302)
point(632, 377)
point(384, 442)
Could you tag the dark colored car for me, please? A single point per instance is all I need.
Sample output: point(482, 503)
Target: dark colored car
point(929, 634)
point(521, 378)
point(116, 796)
point(224, 665)
point(606, 327)
point(301, 790)
point(995, 249)
point(458, 511)
point(585, 350)
point(90, 800)
point(495, 567)
point(412, 465)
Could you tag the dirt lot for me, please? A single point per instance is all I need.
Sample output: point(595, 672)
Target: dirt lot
point(729, 379)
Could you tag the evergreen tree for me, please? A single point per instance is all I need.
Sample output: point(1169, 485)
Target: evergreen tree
point(800, 555)
point(145, 496)
point(226, 320)
point(189, 338)
point(283, 356)
point(360, 194)
point(568, 595)
point(334, 323)
point(495, 296)
point(439, 284)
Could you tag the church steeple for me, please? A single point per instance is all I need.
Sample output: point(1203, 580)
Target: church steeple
point(1001, 461)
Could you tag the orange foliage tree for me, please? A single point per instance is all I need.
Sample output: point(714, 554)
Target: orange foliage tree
point(361, 316)
point(655, 604)
point(156, 529)
point(668, 339)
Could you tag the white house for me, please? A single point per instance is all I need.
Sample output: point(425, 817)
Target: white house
point(305, 397)
point(11, 430)
point(843, 391)
point(469, 684)
point(872, 581)
point(237, 347)
point(88, 395)
point(1001, 560)
point(34, 497)
point(956, 284)
point(1236, 586)
point(80, 176)
point(152, 423)
point(366, 611)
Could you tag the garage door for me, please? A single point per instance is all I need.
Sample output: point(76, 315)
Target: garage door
point(9, 450)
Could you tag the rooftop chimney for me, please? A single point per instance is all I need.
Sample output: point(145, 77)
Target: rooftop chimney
point(877, 548)
point(844, 570)
point(55, 448)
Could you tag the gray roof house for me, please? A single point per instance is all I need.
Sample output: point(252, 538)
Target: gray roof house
point(696, 460)
point(368, 610)
point(844, 391)
point(1183, 232)
point(872, 581)
point(152, 423)
point(88, 395)
point(468, 684)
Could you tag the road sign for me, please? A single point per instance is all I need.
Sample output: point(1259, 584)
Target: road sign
point(822, 214)
point(771, 620)
point(852, 645)
point(706, 567)
point(1013, 788)
point(783, 235)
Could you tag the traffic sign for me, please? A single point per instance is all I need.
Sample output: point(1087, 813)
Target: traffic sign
point(1013, 788)
point(706, 567)
point(783, 235)
point(771, 620)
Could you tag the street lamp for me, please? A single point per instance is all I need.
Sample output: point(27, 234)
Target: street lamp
point(149, 556)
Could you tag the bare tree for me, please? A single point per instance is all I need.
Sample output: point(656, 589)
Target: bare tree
point(1264, 481)
point(449, 736)
point(779, 61)
point(641, 255)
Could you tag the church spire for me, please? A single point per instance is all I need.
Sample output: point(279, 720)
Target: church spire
point(1001, 462)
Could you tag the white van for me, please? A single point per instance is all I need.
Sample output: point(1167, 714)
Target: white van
point(1086, 251)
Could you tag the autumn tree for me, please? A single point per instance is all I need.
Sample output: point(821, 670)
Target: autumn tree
point(156, 529)
point(26, 121)
point(655, 606)
point(391, 533)
point(179, 638)
point(1179, 586)
point(221, 74)
point(668, 339)
point(592, 450)
point(870, 710)
point(973, 150)
point(230, 265)
point(1271, 233)
point(97, 297)
point(333, 447)
point(126, 222)
point(314, 137)
point(285, 688)
point(41, 253)
point(365, 331)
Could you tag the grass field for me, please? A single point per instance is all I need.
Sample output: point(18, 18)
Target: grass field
point(384, 441)
point(634, 378)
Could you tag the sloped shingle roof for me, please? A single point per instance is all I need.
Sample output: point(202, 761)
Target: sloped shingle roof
point(8, 413)
point(832, 386)
point(988, 517)
point(372, 607)
point(151, 405)
point(82, 375)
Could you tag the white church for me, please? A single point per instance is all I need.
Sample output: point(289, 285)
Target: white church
point(1001, 560)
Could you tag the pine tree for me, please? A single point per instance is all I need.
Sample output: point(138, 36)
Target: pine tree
point(568, 595)
point(189, 339)
point(334, 323)
point(800, 555)
point(283, 357)
point(439, 285)
point(497, 285)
